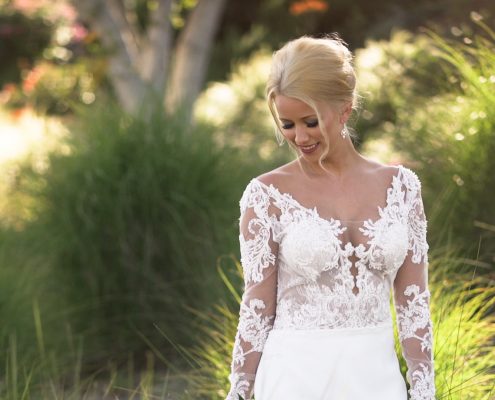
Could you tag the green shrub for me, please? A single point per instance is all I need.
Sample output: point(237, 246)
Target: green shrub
point(238, 111)
point(431, 100)
point(130, 221)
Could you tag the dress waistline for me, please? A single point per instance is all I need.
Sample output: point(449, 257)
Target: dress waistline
point(386, 326)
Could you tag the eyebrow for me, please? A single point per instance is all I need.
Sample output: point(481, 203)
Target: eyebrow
point(307, 116)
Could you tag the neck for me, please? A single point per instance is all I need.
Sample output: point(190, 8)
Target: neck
point(338, 162)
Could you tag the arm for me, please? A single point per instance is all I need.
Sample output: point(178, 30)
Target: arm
point(411, 297)
point(257, 311)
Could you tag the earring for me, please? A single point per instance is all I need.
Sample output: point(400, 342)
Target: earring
point(344, 132)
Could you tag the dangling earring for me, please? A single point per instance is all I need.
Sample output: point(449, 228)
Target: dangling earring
point(344, 132)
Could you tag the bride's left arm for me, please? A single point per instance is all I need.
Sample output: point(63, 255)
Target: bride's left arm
point(412, 301)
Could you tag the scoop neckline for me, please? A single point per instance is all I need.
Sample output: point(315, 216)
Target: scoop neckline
point(288, 196)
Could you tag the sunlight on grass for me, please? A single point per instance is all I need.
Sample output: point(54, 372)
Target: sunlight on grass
point(25, 137)
point(23, 132)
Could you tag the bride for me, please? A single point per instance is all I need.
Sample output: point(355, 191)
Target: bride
point(324, 241)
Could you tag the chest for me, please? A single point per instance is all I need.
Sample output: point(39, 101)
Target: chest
point(310, 244)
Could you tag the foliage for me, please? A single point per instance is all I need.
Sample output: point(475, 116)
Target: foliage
point(244, 28)
point(212, 355)
point(44, 376)
point(52, 64)
point(238, 111)
point(129, 221)
point(395, 74)
point(138, 217)
point(432, 98)
point(22, 40)
point(460, 139)
point(464, 332)
point(57, 89)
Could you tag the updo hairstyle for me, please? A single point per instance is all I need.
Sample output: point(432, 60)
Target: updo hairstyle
point(312, 70)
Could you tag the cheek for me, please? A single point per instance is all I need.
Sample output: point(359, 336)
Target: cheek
point(331, 130)
point(289, 134)
point(324, 133)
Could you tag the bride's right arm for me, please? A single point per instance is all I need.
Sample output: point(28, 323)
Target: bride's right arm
point(257, 312)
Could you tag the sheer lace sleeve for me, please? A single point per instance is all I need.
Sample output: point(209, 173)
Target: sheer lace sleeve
point(257, 312)
point(411, 296)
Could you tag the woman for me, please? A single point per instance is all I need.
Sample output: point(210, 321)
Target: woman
point(324, 239)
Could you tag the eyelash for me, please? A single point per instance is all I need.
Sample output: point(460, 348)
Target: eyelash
point(309, 125)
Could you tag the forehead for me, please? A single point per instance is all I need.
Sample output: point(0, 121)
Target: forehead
point(288, 107)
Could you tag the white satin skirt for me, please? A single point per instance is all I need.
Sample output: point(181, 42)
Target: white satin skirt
point(330, 364)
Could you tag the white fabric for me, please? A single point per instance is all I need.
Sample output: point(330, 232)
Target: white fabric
point(330, 364)
point(303, 273)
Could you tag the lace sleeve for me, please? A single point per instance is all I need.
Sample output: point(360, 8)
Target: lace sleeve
point(257, 312)
point(411, 297)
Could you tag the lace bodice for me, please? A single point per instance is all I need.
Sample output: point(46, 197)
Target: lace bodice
point(302, 271)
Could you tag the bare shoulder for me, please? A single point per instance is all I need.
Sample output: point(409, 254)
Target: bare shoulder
point(278, 176)
point(378, 172)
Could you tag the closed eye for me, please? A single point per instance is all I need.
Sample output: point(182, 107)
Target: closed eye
point(309, 124)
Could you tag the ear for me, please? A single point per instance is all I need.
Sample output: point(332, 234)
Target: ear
point(345, 112)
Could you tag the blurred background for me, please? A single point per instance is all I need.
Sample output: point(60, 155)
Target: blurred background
point(130, 128)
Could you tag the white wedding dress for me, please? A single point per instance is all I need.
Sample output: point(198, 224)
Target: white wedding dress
point(315, 319)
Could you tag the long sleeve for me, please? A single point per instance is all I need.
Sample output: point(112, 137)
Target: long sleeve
point(412, 298)
point(257, 311)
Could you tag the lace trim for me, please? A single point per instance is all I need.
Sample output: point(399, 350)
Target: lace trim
point(239, 386)
point(415, 316)
point(334, 308)
point(423, 386)
point(256, 253)
point(253, 327)
point(417, 223)
point(411, 318)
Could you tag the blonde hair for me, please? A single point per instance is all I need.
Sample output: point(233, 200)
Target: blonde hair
point(315, 71)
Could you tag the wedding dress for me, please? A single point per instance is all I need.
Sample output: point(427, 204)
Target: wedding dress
point(315, 317)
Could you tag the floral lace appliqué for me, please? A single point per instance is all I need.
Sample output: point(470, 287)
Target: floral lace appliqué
point(423, 386)
point(299, 261)
point(414, 316)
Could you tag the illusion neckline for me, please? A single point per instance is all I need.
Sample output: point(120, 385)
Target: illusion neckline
point(340, 222)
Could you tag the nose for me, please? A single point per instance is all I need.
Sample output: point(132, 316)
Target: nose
point(301, 135)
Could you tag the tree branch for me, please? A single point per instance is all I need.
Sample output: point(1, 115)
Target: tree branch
point(128, 33)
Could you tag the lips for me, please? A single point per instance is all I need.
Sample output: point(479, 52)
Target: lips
point(310, 148)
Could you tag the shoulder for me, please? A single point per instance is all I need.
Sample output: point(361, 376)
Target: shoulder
point(277, 180)
point(377, 173)
point(411, 180)
point(278, 175)
point(262, 188)
point(257, 191)
point(387, 172)
point(374, 170)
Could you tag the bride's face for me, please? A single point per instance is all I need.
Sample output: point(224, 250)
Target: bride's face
point(300, 125)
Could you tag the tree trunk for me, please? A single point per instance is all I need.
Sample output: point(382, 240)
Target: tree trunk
point(139, 63)
point(192, 54)
point(117, 38)
point(156, 53)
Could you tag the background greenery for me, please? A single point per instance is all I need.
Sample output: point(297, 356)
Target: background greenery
point(119, 271)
